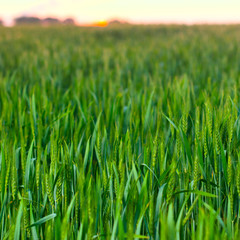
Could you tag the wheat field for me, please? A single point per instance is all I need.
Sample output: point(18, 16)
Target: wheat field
point(124, 132)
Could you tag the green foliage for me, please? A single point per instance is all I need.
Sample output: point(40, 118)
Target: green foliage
point(125, 132)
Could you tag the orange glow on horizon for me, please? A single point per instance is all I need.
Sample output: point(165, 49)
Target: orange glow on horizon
point(102, 23)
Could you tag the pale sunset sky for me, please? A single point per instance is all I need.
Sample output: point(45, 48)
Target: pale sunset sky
point(136, 11)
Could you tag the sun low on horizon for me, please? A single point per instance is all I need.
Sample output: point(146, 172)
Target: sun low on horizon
point(99, 23)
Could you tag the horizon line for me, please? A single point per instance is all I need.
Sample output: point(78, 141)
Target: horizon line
point(11, 22)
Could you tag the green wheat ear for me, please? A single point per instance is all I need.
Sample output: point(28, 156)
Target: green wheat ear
point(184, 122)
point(116, 186)
point(49, 191)
point(23, 152)
point(179, 144)
point(32, 120)
point(99, 147)
point(171, 183)
point(209, 117)
point(162, 155)
point(230, 131)
point(155, 152)
point(217, 137)
point(205, 143)
point(196, 172)
point(54, 153)
point(170, 116)
point(197, 126)
point(229, 170)
point(238, 178)
point(189, 212)
point(59, 188)
point(216, 167)
point(122, 185)
point(13, 175)
point(8, 164)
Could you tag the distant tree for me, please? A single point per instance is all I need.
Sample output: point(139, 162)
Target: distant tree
point(116, 21)
point(51, 21)
point(27, 20)
point(1, 22)
point(69, 21)
point(45, 21)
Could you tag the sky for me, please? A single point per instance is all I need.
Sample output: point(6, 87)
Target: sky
point(136, 11)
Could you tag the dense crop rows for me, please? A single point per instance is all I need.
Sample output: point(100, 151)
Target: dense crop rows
point(122, 132)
